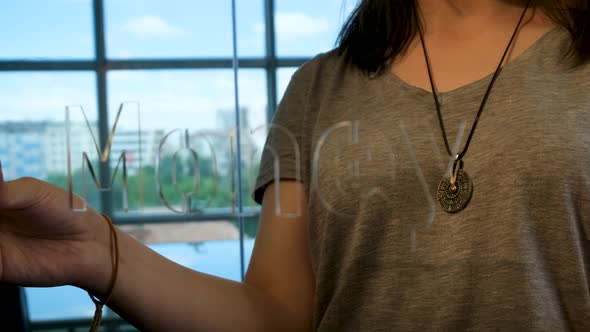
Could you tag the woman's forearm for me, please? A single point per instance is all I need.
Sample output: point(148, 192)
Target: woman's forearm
point(156, 294)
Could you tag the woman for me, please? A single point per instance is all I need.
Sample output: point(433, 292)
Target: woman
point(390, 211)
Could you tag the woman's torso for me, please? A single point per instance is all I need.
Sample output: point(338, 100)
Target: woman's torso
point(386, 257)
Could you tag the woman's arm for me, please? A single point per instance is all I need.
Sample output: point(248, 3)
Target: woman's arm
point(156, 294)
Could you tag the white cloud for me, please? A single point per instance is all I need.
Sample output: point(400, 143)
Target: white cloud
point(297, 25)
point(149, 26)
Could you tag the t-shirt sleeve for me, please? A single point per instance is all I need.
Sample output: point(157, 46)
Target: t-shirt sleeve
point(286, 149)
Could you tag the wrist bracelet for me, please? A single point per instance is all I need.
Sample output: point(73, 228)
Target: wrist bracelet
point(115, 256)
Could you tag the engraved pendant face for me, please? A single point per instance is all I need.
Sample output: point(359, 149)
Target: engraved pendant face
point(451, 199)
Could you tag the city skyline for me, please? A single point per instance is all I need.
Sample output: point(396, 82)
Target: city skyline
point(40, 148)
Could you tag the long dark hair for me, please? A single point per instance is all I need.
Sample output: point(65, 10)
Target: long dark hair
point(377, 31)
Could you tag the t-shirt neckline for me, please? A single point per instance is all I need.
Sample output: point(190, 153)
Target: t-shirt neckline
point(483, 82)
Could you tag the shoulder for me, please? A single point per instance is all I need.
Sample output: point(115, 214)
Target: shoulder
point(322, 62)
point(559, 59)
point(324, 73)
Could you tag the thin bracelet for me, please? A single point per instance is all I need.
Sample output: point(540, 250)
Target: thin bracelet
point(98, 303)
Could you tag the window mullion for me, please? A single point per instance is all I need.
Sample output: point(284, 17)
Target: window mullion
point(106, 204)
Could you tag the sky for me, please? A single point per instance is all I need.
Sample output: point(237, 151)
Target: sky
point(169, 99)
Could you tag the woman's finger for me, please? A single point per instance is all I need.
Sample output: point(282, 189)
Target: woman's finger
point(21, 193)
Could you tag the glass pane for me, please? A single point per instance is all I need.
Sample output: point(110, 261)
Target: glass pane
point(217, 257)
point(308, 27)
point(211, 247)
point(250, 232)
point(46, 29)
point(58, 303)
point(33, 139)
point(33, 143)
point(182, 28)
point(283, 78)
point(33, 131)
point(250, 27)
point(194, 106)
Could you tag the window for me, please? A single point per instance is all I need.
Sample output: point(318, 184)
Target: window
point(172, 61)
point(59, 29)
point(307, 27)
point(283, 78)
point(182, 28)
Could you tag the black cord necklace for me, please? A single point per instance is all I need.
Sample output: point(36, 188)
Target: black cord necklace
point(454, 192)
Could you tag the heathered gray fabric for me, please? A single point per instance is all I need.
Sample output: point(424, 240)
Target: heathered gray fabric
point(385, 256)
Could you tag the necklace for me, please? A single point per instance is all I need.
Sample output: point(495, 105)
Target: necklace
point(454, 192)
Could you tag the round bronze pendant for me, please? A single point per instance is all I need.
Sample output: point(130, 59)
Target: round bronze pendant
point(454, 199)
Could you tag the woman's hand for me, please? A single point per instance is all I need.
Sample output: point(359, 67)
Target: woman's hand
point(44, 243)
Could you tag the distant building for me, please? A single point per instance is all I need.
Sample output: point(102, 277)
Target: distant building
point(39, 149)
point(21, 149)
point(56, 147)
point(226, 121)
point(81, 141)
point(137, 151)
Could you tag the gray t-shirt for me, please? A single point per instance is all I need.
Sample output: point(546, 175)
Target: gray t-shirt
point(386, 257)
